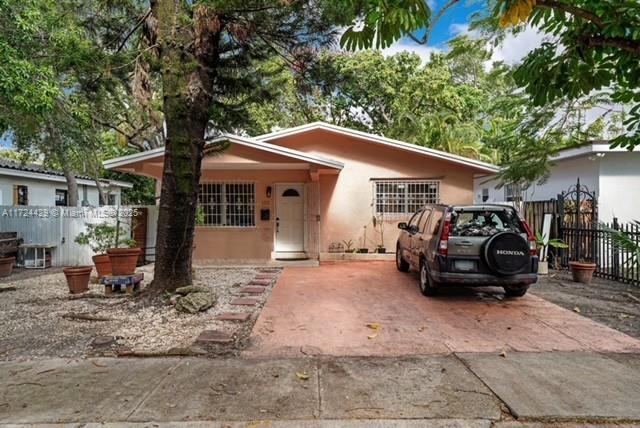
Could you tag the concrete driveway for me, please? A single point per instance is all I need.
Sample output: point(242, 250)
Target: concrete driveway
point(325, 311)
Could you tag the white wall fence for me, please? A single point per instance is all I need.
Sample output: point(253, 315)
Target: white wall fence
point(59, 226)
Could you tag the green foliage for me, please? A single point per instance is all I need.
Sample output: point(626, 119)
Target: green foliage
point(380, 23)
point(99, 237)
point(595, 48)
point(626, 242)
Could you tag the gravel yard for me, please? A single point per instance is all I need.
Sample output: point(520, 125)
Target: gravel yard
point(35, 323)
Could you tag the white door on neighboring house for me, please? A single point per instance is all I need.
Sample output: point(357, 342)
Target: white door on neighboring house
point(289, 218)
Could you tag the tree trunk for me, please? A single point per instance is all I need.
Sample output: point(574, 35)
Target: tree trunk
point(187, 88)
point(102, 198)
point(72, 185)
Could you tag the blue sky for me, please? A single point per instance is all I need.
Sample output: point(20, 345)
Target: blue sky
point(455, 17)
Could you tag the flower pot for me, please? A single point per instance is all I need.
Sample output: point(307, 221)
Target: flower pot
point(6, 265)
point(78, 278)
point(543, 268)
point(582, 272)
point(103, 264)
point(363, 250)
point(123, 260)
point(381, 250)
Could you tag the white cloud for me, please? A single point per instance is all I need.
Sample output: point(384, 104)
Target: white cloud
point(515, 47)
point(424, 52)
point(457, 29)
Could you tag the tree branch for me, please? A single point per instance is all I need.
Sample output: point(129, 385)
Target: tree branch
point(594, 41)
point(573, 10)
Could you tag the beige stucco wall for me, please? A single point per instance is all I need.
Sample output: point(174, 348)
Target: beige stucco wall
point(346, 199)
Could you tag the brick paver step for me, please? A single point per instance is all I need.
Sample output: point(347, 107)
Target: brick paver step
point(234, 316)
point(244, 301)
point(262, 282)
point(253, 289)
point(214, 336)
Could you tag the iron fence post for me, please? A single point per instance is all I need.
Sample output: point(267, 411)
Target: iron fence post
point(616, 252)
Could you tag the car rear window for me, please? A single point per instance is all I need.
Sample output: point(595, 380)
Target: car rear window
point(484, 222)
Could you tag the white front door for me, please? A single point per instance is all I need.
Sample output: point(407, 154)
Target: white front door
point(289, 217)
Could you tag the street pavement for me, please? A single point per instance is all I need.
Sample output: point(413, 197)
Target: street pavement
point(517, 389)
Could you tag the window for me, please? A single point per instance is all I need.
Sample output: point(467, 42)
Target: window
point(510, 193)
point(485, 194)
point(228, 204)
point(404, 197)
point(61, 198)
point(20, 195)
point(422, 225)
point(112, 199)
point(484, 223)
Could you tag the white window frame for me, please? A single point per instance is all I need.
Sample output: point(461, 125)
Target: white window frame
point(246, 188)
point(396, 197)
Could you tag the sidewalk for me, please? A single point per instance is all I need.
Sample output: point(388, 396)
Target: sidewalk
point(464, 390)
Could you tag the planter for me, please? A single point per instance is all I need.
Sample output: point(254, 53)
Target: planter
point(543, 268)
point(381, 250)
point(103, 264)
point(582, 272)
point(123, 260)
point(6, 265)
point(78, 278)
point(363, 250)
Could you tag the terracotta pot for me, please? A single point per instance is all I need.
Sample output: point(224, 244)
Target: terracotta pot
point(582, 272)
point(78, 278)
point(6, 265)
point(102, 264)
point(123, 260)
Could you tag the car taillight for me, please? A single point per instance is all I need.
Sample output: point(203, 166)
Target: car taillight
point(443, 245)
point(533, 247)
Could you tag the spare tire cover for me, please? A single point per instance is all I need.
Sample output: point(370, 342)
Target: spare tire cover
point(507, 253)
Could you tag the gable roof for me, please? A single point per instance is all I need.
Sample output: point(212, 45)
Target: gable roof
point(414, 148)
point(36, 171)
point(235, 139)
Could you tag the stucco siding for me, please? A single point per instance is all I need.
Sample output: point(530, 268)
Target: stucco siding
point(41, 193)
point(619, 187)
point(347, 199)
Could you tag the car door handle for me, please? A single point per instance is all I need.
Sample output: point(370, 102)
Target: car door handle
point(464, 243)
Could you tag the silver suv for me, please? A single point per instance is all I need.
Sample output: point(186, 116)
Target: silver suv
point(468, 245)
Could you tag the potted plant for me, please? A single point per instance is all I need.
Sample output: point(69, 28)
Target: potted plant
point(99, 237)
point(543, 243)
point(124, 257)
point(380, 248)
point(6, 261)
point(78, 278)
point(363, 249)
point(582, 271)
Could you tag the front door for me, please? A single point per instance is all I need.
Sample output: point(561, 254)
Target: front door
point(289, 218)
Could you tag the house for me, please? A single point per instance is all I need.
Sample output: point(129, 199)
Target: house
point(305, 191)
point(35, 185)
point(613, 174)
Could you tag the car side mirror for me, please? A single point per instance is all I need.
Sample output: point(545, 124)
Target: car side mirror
point(402, 225)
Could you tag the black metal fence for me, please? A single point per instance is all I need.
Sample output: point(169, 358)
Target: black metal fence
point(593, 243)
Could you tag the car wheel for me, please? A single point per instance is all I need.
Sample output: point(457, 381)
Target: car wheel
point(401, 264)
point(515, 290)
point(427, 287)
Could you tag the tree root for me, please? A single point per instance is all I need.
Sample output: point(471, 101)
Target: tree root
point(85, 317)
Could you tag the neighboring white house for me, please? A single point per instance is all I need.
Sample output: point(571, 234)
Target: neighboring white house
point(35, 185)
point(614, 174)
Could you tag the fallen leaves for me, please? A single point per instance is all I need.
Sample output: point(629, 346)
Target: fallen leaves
point(302, 375)
point(375, 327)
point(503, 354)
point(576, 309)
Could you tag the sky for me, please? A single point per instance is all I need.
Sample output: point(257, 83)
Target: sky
point(456, 21)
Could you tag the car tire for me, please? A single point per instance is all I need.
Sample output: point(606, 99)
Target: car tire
point(401, 264)
point(427, 286)
point(515, 290)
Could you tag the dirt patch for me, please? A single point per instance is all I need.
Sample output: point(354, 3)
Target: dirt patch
point(39, 318)
point(611, 303)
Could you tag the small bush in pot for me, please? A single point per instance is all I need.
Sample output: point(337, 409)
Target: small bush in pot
point(582, 271)
point(99, 237)
point(6, 261)
point(544, 244)
point(124, 258)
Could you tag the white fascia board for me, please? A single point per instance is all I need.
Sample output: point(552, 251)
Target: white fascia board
point(284, 151)
point(32, 175)
point(248, 142)
point(380, 140)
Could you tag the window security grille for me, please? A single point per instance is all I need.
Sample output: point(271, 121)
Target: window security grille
point(228, 204)
point(404, 197)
